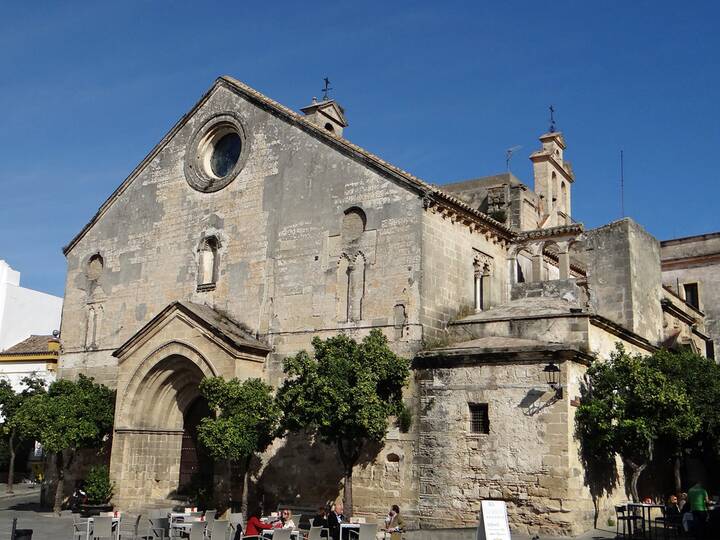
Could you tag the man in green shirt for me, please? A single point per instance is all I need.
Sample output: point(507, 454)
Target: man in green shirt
point(698, 500)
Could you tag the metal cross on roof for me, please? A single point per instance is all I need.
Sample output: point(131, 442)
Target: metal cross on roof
point(552, 119)
point(326, 89)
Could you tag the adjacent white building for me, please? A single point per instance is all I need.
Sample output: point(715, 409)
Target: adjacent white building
point(24, 312)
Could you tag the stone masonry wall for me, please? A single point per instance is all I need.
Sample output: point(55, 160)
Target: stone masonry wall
point(449, 249)
point(524, 459)
point(624, 277)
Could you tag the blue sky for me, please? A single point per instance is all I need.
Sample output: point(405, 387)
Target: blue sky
point(441, 89)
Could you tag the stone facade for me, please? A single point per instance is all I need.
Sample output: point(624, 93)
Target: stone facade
point(695, 260)
point(250, 229)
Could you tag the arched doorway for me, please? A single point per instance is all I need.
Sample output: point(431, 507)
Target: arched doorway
point(156, 456)
point(196, 466)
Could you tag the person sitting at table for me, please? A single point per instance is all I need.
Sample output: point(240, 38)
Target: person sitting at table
point(672, 514)
point(683, 503)
point(285, 521)
point(335, 519)
point(254, 525)
point(394, 523)
point(320, 519)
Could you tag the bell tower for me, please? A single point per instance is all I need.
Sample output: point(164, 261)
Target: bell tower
point(553, 180)
point(326, 114)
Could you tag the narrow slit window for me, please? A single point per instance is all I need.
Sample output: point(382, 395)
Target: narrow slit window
point(479, 419)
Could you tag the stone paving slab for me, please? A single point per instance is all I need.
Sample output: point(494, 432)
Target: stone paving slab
point(24, 505)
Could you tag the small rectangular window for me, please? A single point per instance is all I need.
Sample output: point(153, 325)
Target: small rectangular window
point(691, 295)
point(479, 420)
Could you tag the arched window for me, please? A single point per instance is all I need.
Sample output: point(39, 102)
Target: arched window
point(564, 206)
point(208, 264)
point(554, 192)
point(482, 268)
point(353, 224)
point(351, 287)
point(92, 329)
point(95, 267)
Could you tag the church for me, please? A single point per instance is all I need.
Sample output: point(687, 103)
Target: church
point(252, 228)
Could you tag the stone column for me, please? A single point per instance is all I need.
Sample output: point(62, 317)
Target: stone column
point(537, 260)
point(563, 260)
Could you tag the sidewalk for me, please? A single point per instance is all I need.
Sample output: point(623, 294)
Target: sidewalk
point(470, 534)
point(20, 489)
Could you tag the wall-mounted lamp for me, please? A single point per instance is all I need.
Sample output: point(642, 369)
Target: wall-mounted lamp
point(552, 377)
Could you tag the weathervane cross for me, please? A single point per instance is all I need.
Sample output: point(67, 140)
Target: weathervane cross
point(326, 89)
point(552, 119)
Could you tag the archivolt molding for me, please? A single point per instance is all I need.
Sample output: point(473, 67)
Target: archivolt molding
point(150, 386)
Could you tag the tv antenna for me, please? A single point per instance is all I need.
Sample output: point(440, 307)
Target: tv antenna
point(326, 89)
point(508, 156)
point(622, 185)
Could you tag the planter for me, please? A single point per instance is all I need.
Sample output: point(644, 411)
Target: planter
point(87, 510)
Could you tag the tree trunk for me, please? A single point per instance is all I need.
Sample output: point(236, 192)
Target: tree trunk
point(11, 465)
point(637, 470)
point(246, 489)
point(348, 457)
point(347, 492)
point(60, 488)
point(677, 464)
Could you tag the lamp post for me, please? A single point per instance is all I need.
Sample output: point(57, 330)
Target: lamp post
point(552, 378)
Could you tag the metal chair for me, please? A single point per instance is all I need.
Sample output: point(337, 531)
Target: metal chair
point(367, 532)
point(669, 522)
point(102, 528)
point(158, 527)
point(197, 530)
point(209, 520)
point(134, 533)
point(622, 515)
point(281, 534)
point(218, 531)
point(316, 533)
point(236, 522)
point(80, 528)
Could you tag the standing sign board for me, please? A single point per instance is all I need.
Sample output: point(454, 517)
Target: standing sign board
point(493, 523)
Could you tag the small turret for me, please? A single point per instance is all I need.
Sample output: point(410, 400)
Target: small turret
point(326, 114)
point(553, 180)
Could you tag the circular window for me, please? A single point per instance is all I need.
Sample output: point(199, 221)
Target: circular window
point(216, 153)
point(225, 154)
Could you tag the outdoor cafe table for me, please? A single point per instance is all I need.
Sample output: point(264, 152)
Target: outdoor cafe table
point(646, 514)
point(268, 533)
point(115, 523)
point(182, 521)
point(347, 527)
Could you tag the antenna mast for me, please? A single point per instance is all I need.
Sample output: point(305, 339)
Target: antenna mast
point(622, 185)
point(508, 156)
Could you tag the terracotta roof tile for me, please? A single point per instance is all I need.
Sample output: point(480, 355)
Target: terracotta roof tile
point(33, 344)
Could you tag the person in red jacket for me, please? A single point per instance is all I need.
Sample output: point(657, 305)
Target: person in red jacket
point(254, 525)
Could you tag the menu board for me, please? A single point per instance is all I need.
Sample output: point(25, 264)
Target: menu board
point(493, 524)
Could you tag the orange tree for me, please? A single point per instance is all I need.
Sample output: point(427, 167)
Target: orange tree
point(345, 394)
point(628, 406)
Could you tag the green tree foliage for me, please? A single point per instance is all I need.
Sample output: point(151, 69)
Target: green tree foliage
point(98, 486)
point(70, 416)
point(10, 403)
point(345, 394)
point(629, 405)
point(246, 423)
point(700, 379)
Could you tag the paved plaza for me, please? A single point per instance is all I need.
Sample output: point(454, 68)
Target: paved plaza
point(25, 506)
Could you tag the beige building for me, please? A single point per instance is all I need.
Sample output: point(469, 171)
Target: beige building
point(691, 270)
point(250, 228)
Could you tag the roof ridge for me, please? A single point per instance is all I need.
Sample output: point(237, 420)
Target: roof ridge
point(415, 181)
